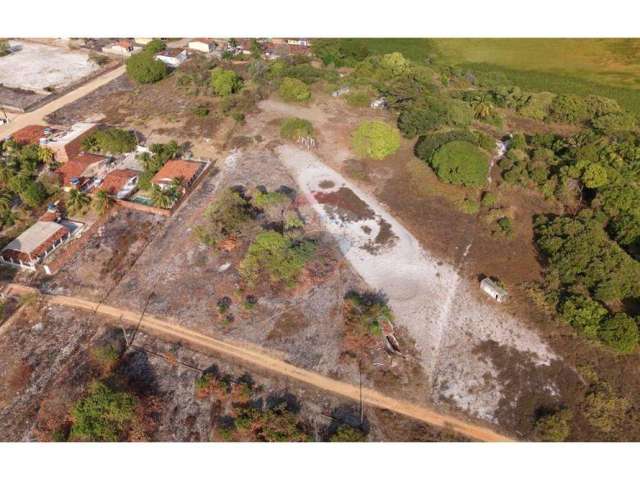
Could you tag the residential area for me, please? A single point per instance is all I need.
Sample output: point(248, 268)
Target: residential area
point(291, 239)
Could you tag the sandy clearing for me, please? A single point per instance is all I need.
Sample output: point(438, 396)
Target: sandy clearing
point(430, 298)
point(36, 66)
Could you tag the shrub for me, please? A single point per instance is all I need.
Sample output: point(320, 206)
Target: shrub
point(106, 356)
point(470, 207)
point(461, 163)
point(143, 68)
point(569, 109)
point(584, 314)
point(110, 140)
point(225, 82)
point(554, 427)
point(614, 122)
point(104, 415)
point(225, 217)
point(489, 199)
point(294, 90)
point(505, 225)
point(427, 145)
point(595, 176)
point(281, 258)
point(263, 199)
point(537, 106)
point(604, 410)
point(375, 140)
point(359, 98)
point(340, 52)
point(619, 332)
point(34, 194)
point(201, 110)
point(154, 46)
point(346, 433)
point(295, 128)
point(365, 313)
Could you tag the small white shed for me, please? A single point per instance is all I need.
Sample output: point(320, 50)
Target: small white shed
point(494, 290)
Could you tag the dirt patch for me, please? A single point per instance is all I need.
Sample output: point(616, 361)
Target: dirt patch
point(344, 203)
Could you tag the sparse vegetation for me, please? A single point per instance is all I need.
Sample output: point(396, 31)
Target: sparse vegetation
point(375, 140)
point(367, 312)
point(295, 128)
point(554, 427)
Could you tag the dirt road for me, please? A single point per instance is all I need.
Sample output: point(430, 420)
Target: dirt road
point(37, 116)
point(254, 356)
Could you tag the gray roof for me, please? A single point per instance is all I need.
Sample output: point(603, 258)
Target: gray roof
point(34, 236)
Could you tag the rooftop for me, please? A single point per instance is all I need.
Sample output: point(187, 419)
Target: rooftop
point(117, 179)
point(184, 169)
point(37, 238)
point(29, 134)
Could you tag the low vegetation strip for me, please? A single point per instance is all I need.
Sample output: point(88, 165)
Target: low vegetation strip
point(251, 354)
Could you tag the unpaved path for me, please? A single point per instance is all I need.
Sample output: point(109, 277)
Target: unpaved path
point(37, 116)
point(439, 307)
point(254, 356)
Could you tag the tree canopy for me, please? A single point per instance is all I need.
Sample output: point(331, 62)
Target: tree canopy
point(225, 82)
point(376, 140)
point(143, 68)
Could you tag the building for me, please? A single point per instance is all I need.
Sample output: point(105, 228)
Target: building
point(204, 45)
point(301, 42)
point(120, 183)
point(72, 173)
point(173, 57)
point(35, 244)
point(142, 40)
point(31, 134)
point(67, 144)
point(494, 290)
point(185, 170)
point(122, 48)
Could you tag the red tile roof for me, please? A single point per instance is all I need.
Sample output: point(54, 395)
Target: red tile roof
point(116, 179)
point(29, 134)
point(76, 166)
point(184, 169)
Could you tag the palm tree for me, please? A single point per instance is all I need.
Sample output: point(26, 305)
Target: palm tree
point(102, 202)
point(482, 107)
point(45, 155)
point(162, 197)
point(77, 201)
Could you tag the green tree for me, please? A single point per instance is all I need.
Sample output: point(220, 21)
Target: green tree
point(34, 195)
point(374, 139)
point(143, 68)
point(281, 258)
point(584, 314)
point(595, 176)
point(614, 122)
point(154, 46)
point(461, 163)
point(225, 82)
point(224, 218)
point(163, 197)
point(340, 52)
point(553, 427)
point(619, 332)
point(77, 201)
point(104, 415)
point(295, 128)
point(294, 90)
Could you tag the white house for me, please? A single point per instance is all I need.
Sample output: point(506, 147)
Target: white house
point(494, 290)
point(123, 48)
point(204, 45)
point(173, 57)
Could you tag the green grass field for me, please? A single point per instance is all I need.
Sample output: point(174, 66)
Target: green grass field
point(608, 67)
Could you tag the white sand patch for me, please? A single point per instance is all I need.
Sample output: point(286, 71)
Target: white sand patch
point(35, 66)
point(436, 305)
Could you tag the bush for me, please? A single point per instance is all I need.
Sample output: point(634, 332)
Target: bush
point(427, 145)
point(604, 410)
point(584, 314)
point(340, 52)
point(110, 140)
point(201, 110)
point(537, 106)
point(281, 258)
point(614, 122)
point(225, 82)
point(569, 109)
point(554, 427)
point(225, 217)
point(295, 128)
point(104, 415)
point(263, 199)
point(365, 313)
point(294, 90)
point(469, 206)
point(619, 332)
point(359, 98)
point(489, 199)
point(375, 140)
point(154, 46)
point(461, 163)
point(34, 194)
point(505, 225)
point(346, 433)
point(143, 68)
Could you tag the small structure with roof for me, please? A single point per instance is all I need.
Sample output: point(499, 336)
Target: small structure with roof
point(30, 135)
point(204, 45)
point(184, 170)
point(34, 244)
point(495, 291)
point(173, 57)
point(123, 48)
